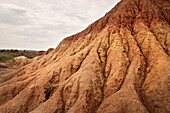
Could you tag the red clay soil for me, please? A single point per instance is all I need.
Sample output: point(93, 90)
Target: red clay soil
point(119, 64)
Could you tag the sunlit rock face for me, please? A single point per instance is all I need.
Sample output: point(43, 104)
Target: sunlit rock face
point(119, 64)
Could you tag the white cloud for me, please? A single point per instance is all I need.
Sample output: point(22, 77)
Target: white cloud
point(40, 24)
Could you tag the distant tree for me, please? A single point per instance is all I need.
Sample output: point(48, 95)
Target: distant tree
point(3, 50)
point(13, 51)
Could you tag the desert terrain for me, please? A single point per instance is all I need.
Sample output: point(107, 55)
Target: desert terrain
point(119, 64)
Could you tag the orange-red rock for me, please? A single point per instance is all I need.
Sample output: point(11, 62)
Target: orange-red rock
point(48, 51)
point(119, 64)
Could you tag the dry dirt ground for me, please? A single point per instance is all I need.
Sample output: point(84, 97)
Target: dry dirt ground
point(119, 64)
point(5, 71)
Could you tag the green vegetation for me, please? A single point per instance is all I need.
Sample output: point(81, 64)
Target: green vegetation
point(5, 58)
point(10, 54)
point(30, 57)
point(15, 56)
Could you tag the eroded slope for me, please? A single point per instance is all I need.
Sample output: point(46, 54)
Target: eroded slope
point(118, 64)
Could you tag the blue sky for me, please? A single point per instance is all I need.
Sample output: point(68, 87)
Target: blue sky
point(41, 24)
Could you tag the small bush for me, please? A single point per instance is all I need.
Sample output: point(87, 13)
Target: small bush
point(5, 58)
point(15, 56)
point(30, 57)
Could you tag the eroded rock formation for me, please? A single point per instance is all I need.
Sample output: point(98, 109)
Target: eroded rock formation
point(119, 64)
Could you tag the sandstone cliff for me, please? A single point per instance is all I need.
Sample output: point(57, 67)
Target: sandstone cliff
point(119, 64)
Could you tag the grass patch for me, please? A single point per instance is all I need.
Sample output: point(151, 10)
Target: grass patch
point(5, 58)
point(15, 56)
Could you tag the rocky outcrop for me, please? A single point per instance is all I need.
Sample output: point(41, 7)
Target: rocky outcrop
point(21, 61)
point(119, 64)
point(48, 51)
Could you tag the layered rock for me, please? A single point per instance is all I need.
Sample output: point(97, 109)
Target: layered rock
point(118, 64)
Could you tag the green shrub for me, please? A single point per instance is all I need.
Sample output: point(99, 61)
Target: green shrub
point(30, 57)
point(4, 58)
point(15, 56)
